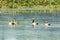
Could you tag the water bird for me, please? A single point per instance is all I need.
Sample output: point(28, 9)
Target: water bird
point(46, 24)
point(33, 23)
point(13, 22)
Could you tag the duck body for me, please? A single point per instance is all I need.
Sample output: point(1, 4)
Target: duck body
point(33, 23)
point(12, 23)
point(46, 24)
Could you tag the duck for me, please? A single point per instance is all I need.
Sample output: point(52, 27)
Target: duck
point(46, 24)
point(33, 23)
point(13, 22)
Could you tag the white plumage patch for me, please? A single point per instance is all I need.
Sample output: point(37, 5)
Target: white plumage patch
point(34, 23)
point(10, 23)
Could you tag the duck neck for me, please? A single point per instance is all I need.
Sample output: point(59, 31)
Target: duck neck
point(32, 21)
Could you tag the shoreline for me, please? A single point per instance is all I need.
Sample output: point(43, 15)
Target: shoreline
point(29, 10)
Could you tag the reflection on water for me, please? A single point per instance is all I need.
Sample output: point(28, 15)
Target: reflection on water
point(23, 31)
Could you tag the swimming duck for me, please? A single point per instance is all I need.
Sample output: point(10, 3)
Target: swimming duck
point(33, 23)
point(46, 24)
point(13, 22)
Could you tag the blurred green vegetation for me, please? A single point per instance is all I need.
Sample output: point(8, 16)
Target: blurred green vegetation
point(29, 3)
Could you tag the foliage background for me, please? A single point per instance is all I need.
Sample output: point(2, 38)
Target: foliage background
point(29, 6)
point(29, 3)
